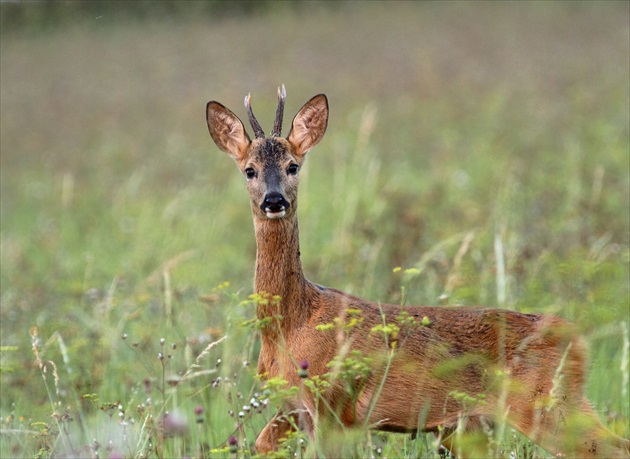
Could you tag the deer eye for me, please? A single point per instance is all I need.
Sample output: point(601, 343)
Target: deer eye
point(292, 169)
point(250, 173)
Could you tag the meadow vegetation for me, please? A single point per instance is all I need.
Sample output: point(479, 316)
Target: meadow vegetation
point(483, 148)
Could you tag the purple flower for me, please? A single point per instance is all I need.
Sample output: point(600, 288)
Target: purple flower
point(303, 371)
point(175, 423)
point(233, 444)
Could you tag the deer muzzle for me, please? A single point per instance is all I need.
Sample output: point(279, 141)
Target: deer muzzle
point(274, 205)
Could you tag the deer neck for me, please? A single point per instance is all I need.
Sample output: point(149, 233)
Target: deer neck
point(279, 271)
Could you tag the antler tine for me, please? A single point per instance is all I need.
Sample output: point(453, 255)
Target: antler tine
point(258, 132)
point(277, 125)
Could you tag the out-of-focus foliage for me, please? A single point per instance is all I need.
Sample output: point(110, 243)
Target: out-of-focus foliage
point(484, 146)
point(44, 15)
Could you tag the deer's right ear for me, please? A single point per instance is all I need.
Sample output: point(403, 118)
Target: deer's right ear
point(227, 130)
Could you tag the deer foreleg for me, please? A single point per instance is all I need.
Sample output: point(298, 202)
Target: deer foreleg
point(281, 425)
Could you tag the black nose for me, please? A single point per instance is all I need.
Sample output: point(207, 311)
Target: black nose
point(274, 202)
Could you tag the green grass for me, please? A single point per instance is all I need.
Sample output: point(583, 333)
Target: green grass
point(509, 122)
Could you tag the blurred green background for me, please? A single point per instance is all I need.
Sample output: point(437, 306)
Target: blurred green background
point(505, 121)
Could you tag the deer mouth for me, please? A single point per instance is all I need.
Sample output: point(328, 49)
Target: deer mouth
point(275, 214)
point(273, 211)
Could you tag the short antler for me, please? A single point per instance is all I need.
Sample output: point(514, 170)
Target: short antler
point(258, 132)
point(277, 125)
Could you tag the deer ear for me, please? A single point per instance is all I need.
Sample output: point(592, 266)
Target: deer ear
point(309, 125)
point(227, 130)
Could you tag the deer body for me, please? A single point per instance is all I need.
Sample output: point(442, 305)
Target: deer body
point(527, 369)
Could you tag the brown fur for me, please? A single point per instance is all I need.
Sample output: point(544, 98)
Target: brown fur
point(530, 368)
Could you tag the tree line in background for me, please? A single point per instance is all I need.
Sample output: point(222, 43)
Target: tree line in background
point(46, 14)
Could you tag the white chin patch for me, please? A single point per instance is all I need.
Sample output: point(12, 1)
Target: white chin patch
point(273, 215)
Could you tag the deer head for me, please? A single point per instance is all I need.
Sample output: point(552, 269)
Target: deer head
point(270, 165)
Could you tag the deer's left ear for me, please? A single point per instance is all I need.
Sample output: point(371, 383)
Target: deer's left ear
point(309, 125)
point(227, 130)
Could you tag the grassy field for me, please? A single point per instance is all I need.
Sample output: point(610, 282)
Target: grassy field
point(484, 144)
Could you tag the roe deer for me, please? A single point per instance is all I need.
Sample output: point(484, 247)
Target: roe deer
point(530, 368)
